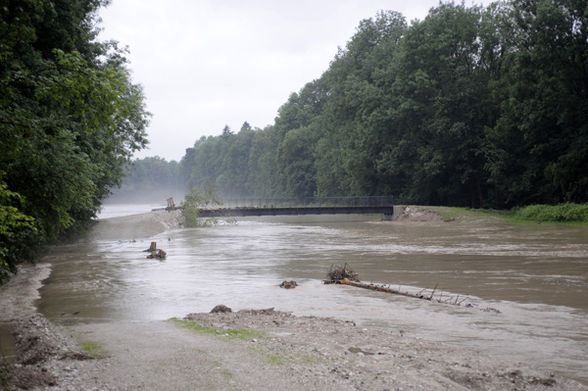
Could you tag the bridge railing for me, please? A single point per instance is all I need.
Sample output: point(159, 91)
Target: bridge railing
point(308, 202)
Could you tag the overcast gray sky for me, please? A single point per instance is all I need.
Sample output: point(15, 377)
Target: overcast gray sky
point(205, 64)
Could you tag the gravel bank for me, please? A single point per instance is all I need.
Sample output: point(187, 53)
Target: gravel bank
point(137, 226)
point(257, 350)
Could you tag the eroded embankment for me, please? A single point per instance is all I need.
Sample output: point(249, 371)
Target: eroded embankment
point(33, 350)
point(17, 296)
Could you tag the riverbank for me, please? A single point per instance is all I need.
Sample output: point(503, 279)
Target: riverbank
point(235, 350)
point(257, 350)
point(138, 226)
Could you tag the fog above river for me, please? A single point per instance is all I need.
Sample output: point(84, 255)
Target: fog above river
point(142, 197)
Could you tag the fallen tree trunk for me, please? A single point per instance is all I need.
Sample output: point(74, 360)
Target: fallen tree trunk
point(345, 276)
point(378, 288)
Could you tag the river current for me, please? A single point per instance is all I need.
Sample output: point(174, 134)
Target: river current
point(535, 276)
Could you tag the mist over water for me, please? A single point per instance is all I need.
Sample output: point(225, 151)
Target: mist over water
point(536, 275)
point(136, 199)
point(127, 209)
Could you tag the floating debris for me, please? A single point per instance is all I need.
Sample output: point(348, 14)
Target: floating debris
point(337, 273)
point(289, 284)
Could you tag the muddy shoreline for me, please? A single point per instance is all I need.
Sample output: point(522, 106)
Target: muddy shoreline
point(235, 350)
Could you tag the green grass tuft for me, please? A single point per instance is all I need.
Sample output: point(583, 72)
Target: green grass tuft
point(93, 349)
point(276, 359)
point(5, 376)
point(231, 333)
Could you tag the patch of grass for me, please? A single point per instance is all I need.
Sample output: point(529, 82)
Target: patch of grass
point(560, 213)
point(277, 359)
point(5, 376)
point(231, 333)
point(94, 349)
point(270, 358)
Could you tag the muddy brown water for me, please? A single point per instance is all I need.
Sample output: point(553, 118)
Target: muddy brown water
point(535, 275)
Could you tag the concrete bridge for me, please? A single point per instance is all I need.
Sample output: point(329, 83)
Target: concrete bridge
point(300, 206)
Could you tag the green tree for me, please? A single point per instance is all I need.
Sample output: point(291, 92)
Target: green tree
point(70, 117)
point(17, 230)
point(539, 146)
point(196, 200)
point(296, 163)
point(263, 177)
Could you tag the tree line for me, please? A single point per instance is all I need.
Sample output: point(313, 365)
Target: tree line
point(70, 119)
point(149, 180)
point(472, 106)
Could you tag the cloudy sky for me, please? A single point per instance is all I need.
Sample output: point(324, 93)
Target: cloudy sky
point(205, 64)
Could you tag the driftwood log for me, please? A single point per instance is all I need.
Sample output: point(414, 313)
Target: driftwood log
point(381, 288)
point(346, 276)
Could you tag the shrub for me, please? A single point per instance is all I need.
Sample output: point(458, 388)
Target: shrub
point(196, 200)
point(568, 212)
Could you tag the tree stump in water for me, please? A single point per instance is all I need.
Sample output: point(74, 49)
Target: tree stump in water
point(151, 248)
point(155, 253)
point(159, 254)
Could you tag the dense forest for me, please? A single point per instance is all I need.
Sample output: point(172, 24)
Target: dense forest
point(70, 119)
point(472, 106)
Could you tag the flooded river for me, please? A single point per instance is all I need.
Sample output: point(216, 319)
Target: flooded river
point(535, 275)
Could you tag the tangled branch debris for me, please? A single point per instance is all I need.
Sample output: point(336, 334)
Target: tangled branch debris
point(338, 273)
point(346, 276)
point(289, 284)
